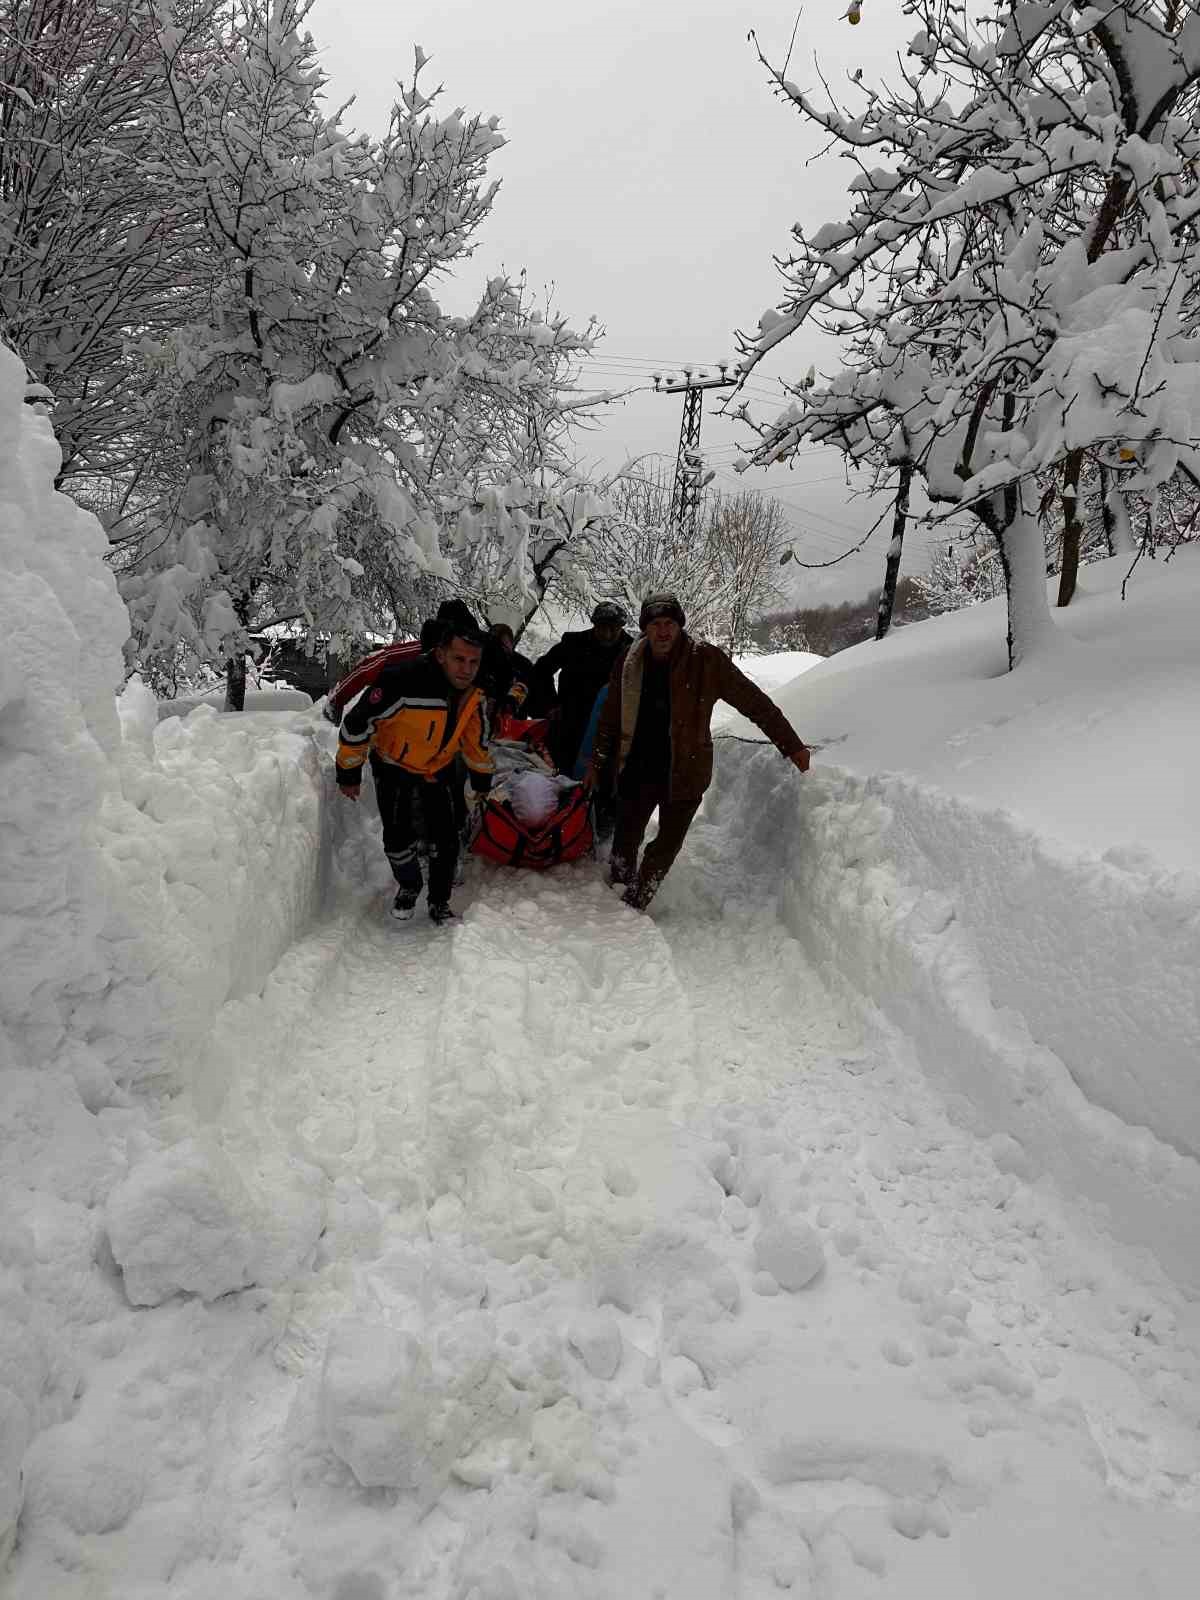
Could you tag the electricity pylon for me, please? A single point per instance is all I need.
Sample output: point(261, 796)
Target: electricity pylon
point(689, 464)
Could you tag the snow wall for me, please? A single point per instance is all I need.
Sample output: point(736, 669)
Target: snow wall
point(1007, 970)
point(148, 877)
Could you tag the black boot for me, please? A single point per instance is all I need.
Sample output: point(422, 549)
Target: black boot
point(404, 905)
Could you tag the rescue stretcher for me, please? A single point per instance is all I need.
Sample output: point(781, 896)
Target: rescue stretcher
point(499, 835)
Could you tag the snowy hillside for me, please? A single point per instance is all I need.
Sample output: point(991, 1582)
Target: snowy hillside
point(831, 1232)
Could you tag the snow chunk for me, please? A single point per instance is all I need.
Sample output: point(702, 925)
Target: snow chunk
point(377, 1403)
point(183, 1220)
point(596, 1339)
point(83, 1481)
point(791, 1251)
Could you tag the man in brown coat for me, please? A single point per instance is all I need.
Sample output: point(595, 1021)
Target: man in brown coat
point(654, 742)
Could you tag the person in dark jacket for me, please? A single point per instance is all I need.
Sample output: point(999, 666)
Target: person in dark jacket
point(583, 662)
point(518, 700)
point(411, 724)
point(653, 740)
point(498, 669)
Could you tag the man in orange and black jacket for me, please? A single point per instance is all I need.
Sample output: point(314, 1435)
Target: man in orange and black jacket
point(417, 717)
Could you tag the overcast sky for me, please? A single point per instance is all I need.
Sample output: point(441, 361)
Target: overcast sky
point(650, 177)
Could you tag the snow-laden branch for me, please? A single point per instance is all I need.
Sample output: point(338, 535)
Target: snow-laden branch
point(1015, 282)
point(329, 418)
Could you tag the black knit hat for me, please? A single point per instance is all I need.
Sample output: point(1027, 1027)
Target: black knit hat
point(608, 611)
point(661, 605)
point(459, 614)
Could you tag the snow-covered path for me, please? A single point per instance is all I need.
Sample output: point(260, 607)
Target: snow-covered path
point(565, 1322)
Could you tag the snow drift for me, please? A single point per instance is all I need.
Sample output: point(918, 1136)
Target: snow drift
point(147, 877)
point(1004, 868)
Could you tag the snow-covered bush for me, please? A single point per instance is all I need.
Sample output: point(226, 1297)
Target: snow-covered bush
point(1016, 280)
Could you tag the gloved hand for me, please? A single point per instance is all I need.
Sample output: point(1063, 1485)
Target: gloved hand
point(801, 758)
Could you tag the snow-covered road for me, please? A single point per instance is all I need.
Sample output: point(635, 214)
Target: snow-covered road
point(644, 1274)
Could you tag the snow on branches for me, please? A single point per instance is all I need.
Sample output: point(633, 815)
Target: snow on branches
point(95, 242)
point(1015, 283)
point(324, 409)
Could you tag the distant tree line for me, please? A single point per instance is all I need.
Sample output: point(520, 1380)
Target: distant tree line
point(825, 629)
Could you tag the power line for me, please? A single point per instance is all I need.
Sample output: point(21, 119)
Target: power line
point(666, 369)
point(720, 466)
point(757, 397)
point(660, 364)
point(806, 511)
point(653, 365)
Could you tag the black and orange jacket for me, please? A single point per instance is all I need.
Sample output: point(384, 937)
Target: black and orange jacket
point(412, 718)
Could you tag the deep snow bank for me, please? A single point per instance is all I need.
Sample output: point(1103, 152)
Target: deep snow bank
point(1092, 743)
point(61, 631)
point(147, 877)
point(1003, 864)
point(213, 840)
point(902, 899)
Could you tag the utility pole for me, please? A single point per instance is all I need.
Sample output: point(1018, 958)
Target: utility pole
point(689, 465)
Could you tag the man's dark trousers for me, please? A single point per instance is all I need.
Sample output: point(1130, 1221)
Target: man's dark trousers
point(399, 793)
point(637, 799)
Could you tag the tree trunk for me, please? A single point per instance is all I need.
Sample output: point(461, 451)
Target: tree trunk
point(235, 666)
point(1121, 541)
point(887, 595)
point(1031, 628)
point(1072, 535)
point(235, 683)
point(1106, 511)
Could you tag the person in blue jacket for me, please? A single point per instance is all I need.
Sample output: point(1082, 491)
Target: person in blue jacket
point(604, 801)
point(589, 737)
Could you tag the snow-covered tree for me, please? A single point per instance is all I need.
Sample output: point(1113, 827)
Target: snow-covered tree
point(787, 636)
point(748, 536)
point(516, 544)
point(97, 244)
point(725, 576)
point(961, 573)
point(1015, 285)
point(522, 510)
point(325, 408)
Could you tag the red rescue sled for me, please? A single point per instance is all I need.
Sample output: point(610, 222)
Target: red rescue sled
point(502, 838)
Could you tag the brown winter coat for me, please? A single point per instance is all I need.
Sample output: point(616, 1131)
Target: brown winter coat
point(700, 676)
